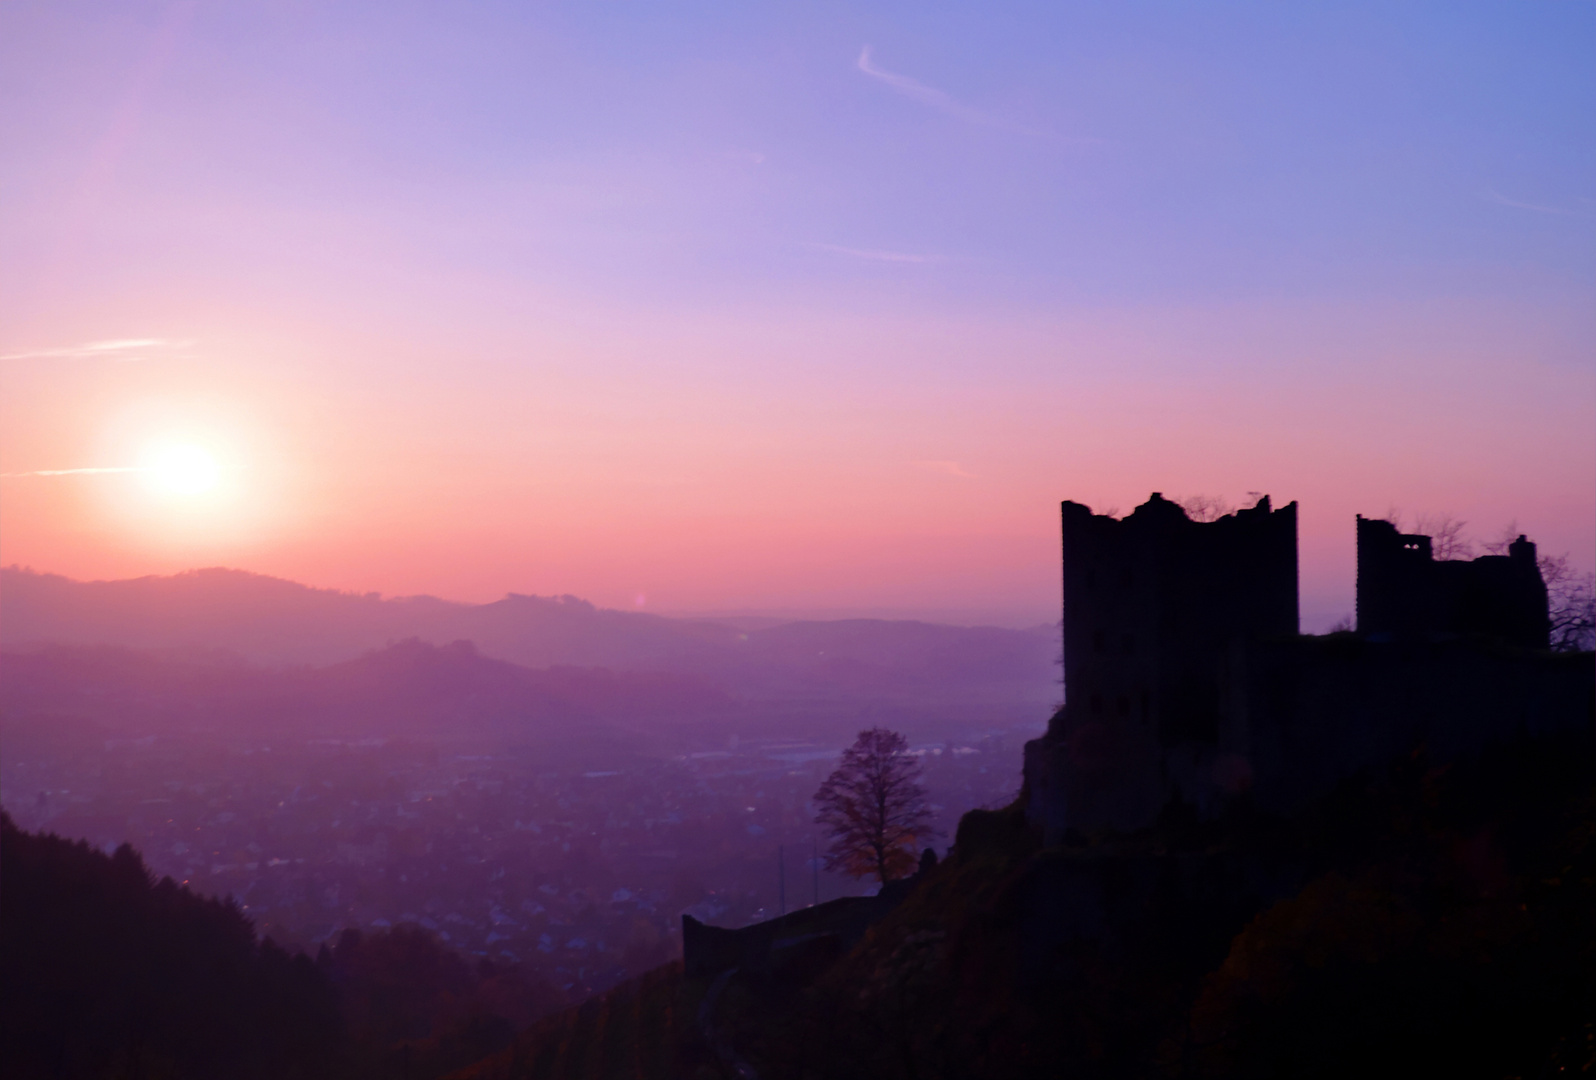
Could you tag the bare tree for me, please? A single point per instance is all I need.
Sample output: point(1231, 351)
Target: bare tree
point(1205, 507)
point(1447, 539)
point(1571, 604)
point(1503, 539)
point(875, 808)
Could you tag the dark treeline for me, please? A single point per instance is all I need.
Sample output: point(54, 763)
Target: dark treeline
point(111, 973)
point(413, 1009)
point(108, 973)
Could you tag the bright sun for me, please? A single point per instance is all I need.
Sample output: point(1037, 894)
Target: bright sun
point(182, 469)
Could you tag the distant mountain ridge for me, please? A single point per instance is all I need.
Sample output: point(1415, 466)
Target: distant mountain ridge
point(273, 622)
point(408, 690)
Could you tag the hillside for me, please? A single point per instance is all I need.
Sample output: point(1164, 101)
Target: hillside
point(1428, 921)
point(109, 972)
point(272, 622)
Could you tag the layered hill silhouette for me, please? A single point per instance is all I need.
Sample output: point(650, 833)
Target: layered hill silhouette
point(272, 621)
point(275, 623)
point(411, 689)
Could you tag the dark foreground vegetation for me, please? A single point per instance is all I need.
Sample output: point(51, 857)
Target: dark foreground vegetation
point(1430, 921)
point(1427, 920)
point(109, 973)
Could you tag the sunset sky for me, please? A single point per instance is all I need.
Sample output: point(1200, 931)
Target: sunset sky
point(803, 309)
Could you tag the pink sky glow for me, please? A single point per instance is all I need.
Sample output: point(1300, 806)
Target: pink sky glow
point(553, 304)
point(842, 464)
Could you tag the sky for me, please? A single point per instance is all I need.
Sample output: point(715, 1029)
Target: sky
point(797, 309)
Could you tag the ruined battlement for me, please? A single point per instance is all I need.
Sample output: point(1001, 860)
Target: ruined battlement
point(1186, 680)
point(1154, 601)
point(1405, 593)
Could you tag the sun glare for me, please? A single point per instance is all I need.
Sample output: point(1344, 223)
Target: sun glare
point(182, 470)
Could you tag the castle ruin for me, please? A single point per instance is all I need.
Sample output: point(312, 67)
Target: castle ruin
point(1404, 592)
point(1188, 686)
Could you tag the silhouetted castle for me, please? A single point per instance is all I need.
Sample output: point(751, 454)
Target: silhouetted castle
point(1187, 683)
point(1154, 602)
point(1404, 593)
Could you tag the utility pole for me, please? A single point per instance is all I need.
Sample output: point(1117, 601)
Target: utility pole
point(781, 874)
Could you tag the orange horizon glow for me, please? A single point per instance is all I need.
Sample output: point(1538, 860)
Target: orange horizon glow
point(765, 493)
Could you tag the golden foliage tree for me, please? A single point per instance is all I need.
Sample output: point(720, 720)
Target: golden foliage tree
point(875, 808)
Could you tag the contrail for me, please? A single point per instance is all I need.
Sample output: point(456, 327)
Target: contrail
point(77, 472)
point(916, 90)
point(919, 91)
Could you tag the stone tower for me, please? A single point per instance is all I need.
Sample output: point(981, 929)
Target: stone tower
point(1187, 684)
point(1158, 609)
point(1405, 594)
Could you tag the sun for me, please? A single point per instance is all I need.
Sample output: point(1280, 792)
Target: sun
point(182, 469)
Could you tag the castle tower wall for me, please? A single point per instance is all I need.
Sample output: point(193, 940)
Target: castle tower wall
point(1156, 606)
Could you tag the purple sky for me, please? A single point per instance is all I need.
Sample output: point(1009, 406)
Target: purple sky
point(815, 307)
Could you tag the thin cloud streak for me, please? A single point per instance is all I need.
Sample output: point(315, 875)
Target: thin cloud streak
point(876, 256)
point(121, 349)
point(937, 99)
point(1497, 197)
point(78, 472)
point(911, 88)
